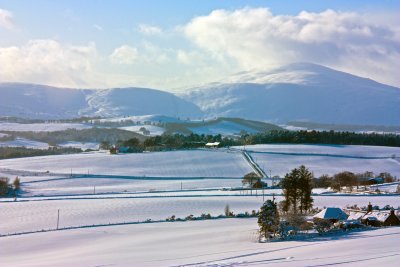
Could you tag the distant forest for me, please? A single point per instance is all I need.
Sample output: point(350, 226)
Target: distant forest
point(179, 141)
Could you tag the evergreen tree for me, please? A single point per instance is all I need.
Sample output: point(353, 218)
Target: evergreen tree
point(297, 187)
point(268, 219)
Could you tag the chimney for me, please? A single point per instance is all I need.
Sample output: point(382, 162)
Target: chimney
point(392, 212)
point(369, 207)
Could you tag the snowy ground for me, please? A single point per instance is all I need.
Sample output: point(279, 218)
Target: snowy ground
point(35, 214)
point(189, 163)
point(227, 242)
point(22, 142)
point(40, 127)
point(131, 188)
point(326, 159)
point(154, 130)
point(83, 146)
point(225, 128)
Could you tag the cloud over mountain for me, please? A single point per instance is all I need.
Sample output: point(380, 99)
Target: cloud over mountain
point(256, 38)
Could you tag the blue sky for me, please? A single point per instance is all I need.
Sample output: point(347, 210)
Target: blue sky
point(179, 44)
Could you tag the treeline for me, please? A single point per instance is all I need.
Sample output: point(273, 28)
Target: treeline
point(180, 141)
point(350, 180)
point(20, 152)
point(84, 135)
point(321, 137)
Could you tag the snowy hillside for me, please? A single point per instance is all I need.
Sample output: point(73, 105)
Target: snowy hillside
point(302, 92)
point(45, 102)
point(40, 101)
point(138, 101)
point(185, 164)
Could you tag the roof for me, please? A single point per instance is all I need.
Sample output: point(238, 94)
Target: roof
point(371, 216)
point(213, 144)
point(331, 214)
point(377, 215)
point(356, 215)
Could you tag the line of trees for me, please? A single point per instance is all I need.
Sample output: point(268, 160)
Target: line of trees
point(181, 141)
point(350, 179)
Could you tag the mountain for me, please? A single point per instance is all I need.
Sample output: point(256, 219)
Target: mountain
point(40, 101)
point(300, 92)
point(138, 101)
point(46, 102)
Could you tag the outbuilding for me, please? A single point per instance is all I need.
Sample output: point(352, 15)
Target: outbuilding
point(331, 214)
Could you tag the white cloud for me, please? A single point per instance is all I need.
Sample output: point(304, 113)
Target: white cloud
point(256, 38)
point(149, 29)
point(124, 55)
point(48, 62)
point(98, 27)
point(6, 19)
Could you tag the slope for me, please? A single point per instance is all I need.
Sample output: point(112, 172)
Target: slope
point(301, 92)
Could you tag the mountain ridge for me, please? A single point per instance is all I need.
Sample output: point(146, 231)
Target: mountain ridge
point(294, 92)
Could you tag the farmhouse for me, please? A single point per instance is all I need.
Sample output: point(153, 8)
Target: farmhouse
point(331, 214)
point(212, 145)
point(375, 217)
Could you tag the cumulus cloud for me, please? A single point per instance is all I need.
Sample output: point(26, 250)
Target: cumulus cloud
point(49, 62)
point(256, 38)
point(6, 19)
point(149, 29)
point(124, 55)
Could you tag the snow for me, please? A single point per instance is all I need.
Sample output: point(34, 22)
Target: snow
point(317, 149)
point(223, 127)
point(34, 214)
point(227, 242)
point(326, 159)
point(331, 213)
point(152, 118)
point(189, 163)
point(41, 127)
point(22, 142)
point(118, 102)
point(154, 130)
point(83, 146)
point(300, 92)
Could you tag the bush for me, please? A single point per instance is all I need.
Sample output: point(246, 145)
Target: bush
point(322, 226)
point(4, 186)
point(17, 184)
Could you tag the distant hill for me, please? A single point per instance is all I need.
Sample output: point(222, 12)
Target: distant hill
point(46, 102)
point(300, 92)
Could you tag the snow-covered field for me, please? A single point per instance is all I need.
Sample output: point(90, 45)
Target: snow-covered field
point(35, 214)
point(154, 130)
point(227, 242)
point(223, 127)
point(340, 150)
point(83, 146)
point(40, 127)
point(22, 142)
point(189, 163)
point(326, 159)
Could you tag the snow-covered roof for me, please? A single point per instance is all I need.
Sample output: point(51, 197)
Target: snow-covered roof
point(213, 144)
point(377, 215)
point(356, 215)
point(331, 213)
point(372, 216)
